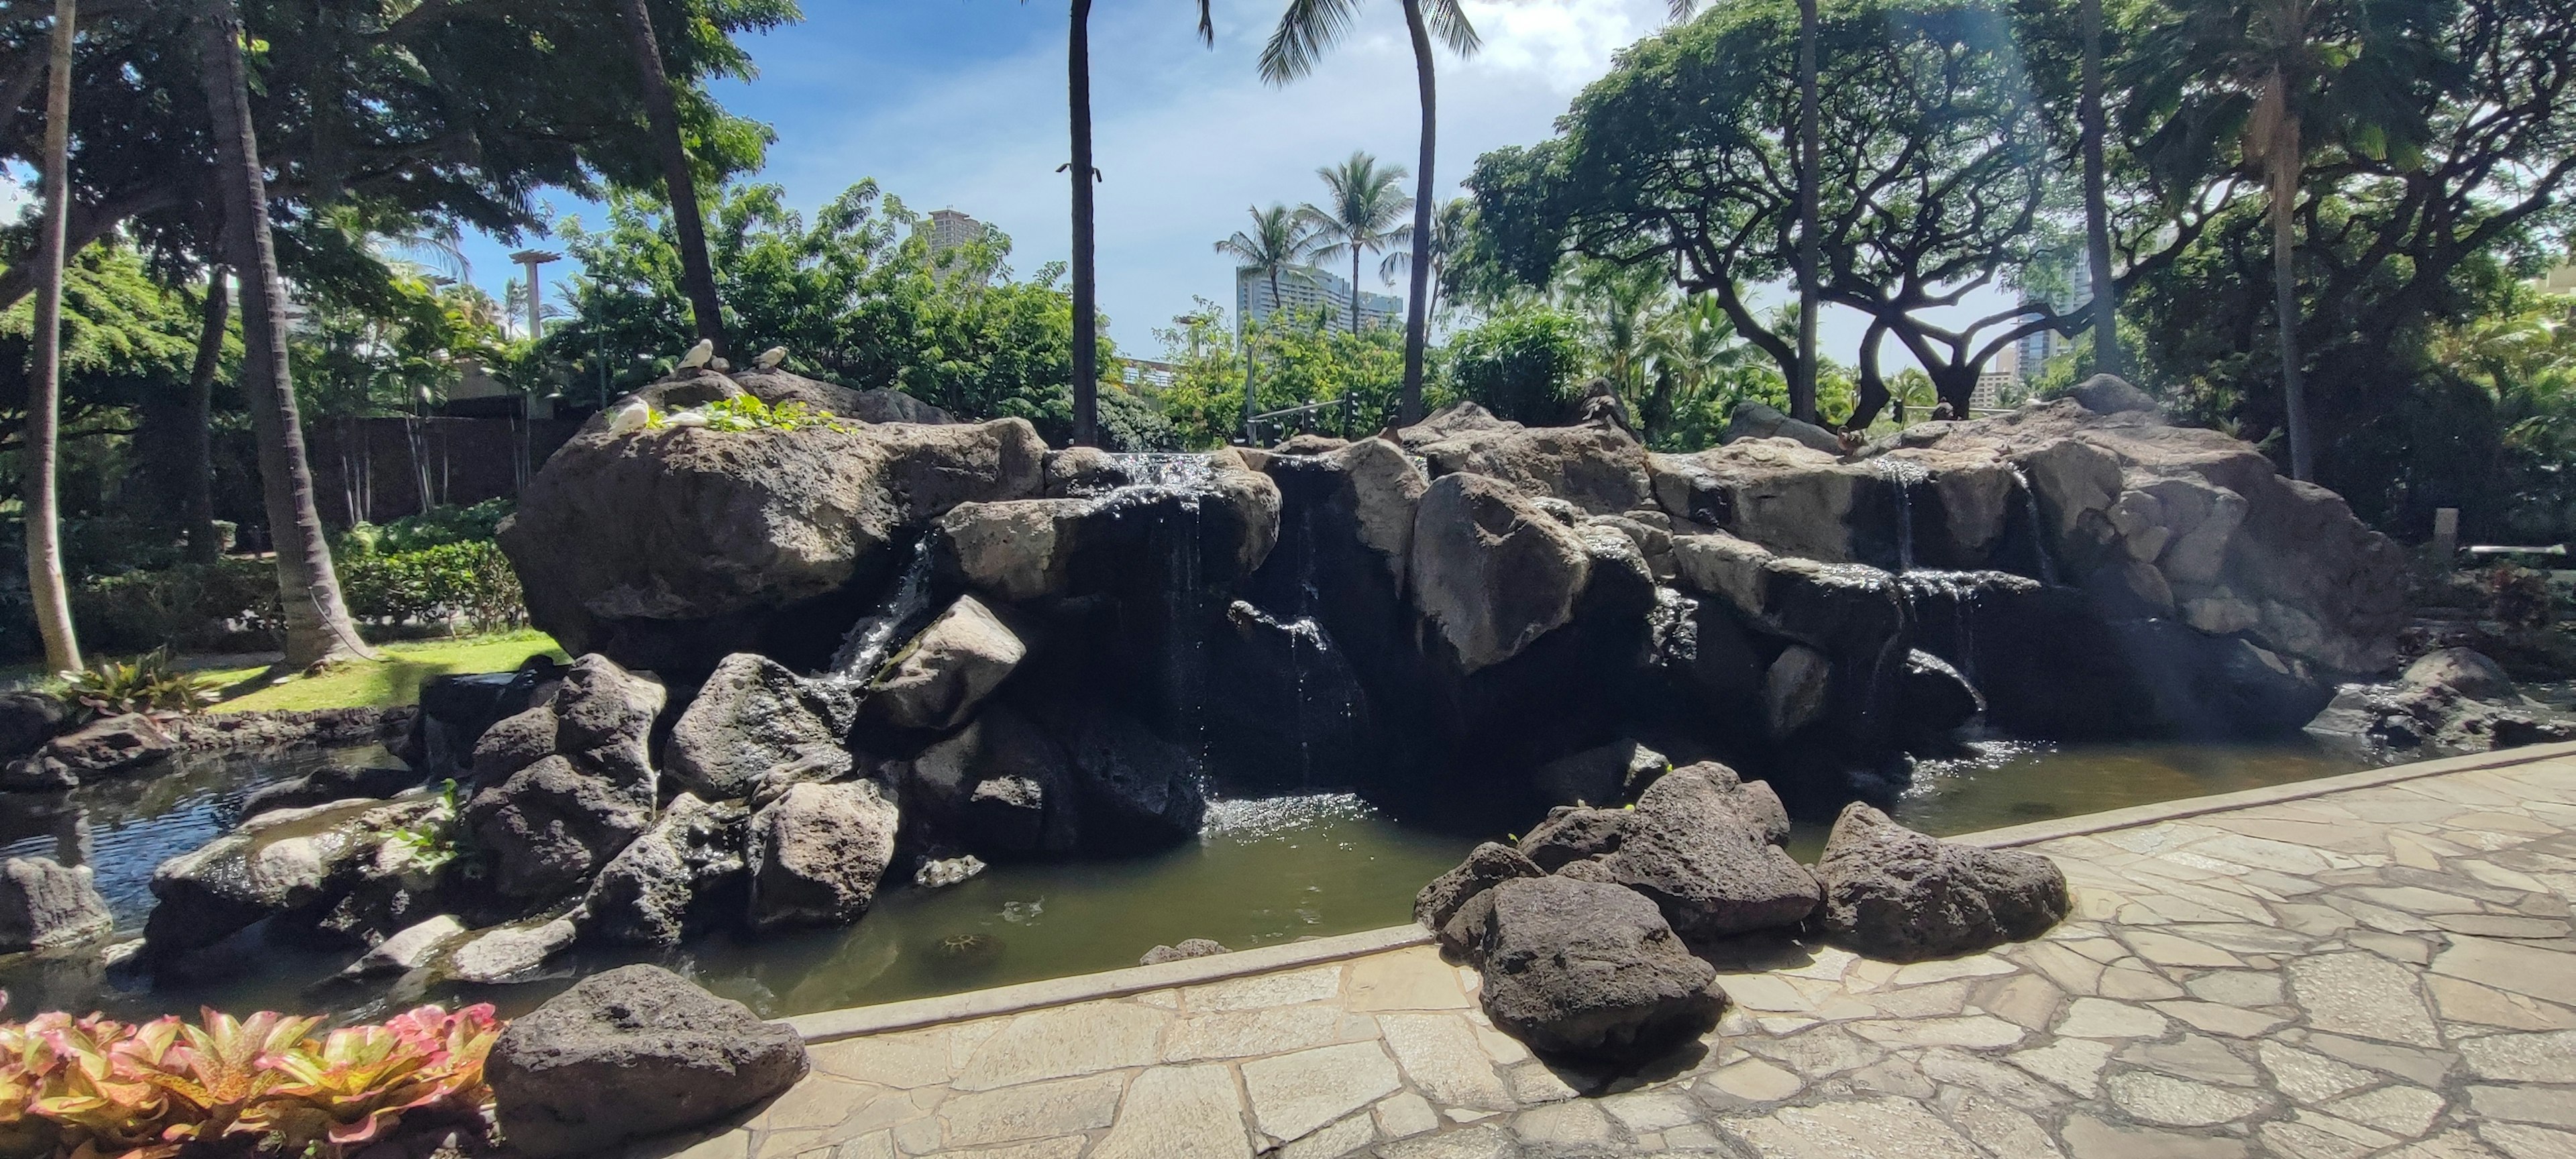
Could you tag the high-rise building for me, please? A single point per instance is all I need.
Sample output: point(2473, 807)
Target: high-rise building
point(948, 229)
point(2064, 283)
point(1306, 287)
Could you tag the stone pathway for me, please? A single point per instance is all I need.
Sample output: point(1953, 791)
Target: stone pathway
point(2384, 970)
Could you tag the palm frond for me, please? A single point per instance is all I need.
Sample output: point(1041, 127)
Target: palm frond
point(1306, 30)
point(1448, 21)
point(1207, 25)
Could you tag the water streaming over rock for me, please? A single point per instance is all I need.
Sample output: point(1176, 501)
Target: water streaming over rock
point(1904, 475)
point(873, 639)
point(2038, 529)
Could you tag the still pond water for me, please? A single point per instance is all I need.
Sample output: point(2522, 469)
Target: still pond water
point(1263, 872)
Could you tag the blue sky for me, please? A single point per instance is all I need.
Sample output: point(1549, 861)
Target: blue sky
point(959, 103)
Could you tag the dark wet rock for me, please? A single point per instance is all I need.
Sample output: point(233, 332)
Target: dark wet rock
point(45, 905)
point(1932, 698)
point(1189, 948)
point(1491, 571)
point(1137, 791)
point(1486, 866)
point(1897, 895)
point(1795, 690)
point(27, 721)
point(944, 674)
point(1582, 969)
point(289, 859)
point(587, 786)
point(1285, 707)
point(752, 720)
point(671, 549)
point(1606, 775)
point(334, 783)
point(943, 788)
point(817, 853)
point(629, 1053)
point(683, 875)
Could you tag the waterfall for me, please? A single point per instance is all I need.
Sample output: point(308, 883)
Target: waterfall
point(2038, 528)
point(872, 639)
point(1904, 475)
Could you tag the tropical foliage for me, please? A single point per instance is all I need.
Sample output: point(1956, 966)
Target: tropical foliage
point(151, 682)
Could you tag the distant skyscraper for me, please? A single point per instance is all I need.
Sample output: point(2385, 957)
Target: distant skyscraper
point(2069, 287)
point(1304, 288)
point(948, 229)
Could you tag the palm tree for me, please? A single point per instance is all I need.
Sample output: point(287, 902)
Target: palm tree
point(697, 270)
point(1280, 237)
point(52, 596)
point(1307, 29)
point(2097, 211)
point(1362, 204)
point(1086, 288)
point(1689, 350)
point(2297, 76)
point(318, 627)
point(1448, 232)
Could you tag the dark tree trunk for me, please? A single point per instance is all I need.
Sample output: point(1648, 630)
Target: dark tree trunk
point(1086, 301)
point(1873, 385)
point(45, 583)
point(1802, 384)
point(1417, 303)
point(2285, 304)
point(196, 433)
point(697, 270)
point(318, 627)
point(2097, 210)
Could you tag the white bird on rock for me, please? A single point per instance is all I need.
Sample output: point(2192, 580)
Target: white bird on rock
point(770, 358)
point(698, 355)
point(629, 418)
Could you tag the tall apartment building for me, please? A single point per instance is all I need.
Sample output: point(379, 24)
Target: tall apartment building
point(948, 229)
point(2070, 288)
point(1306, 287)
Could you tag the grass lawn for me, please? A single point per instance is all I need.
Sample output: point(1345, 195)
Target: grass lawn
point(395, 680)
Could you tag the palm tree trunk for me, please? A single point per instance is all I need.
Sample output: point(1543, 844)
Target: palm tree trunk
point(45, 581)
point(197, 469)
point(1086, 300)
point(318, 627)
point(2097, 210)
point(1355, 291)
point(697, 270)
point(1251, 403)
point(2285, 305)
point(1802, 385)
point(1417, 303)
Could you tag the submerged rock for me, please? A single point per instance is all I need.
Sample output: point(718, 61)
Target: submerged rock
point(288, 859)
point(1189, 948)
point(1590, 970)
point(45, 905)
point(1894, 894)
point(754, 719)
point(816, 854)
point(629, 1053)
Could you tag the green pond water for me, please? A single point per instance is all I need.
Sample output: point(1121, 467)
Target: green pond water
point(1263, 872)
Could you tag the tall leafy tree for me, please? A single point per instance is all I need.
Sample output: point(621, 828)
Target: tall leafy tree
point(1279, 238)
point(1363, 204)
point(2104, 293)
point(318, 625)
point(2291, 82)
point(680, 184)
point(1086, 283)
point(1306, 30)
point(52, 597)
point(1802, 384)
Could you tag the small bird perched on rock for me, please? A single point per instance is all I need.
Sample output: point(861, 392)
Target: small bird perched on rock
point(629, 418)
point(770, 358)
point(720, 366)
point(699, 355)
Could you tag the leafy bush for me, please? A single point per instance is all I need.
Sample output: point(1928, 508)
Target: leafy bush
point(149, 683)
point(470, 582)
point(93, 1087)
point(1521, 365)
point(222, 604)
point(436, 527)
point(745, 412)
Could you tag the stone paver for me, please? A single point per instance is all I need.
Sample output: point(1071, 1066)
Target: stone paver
point(2378, 971)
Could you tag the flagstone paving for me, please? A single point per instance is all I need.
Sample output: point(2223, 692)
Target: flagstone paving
point(2383, 971)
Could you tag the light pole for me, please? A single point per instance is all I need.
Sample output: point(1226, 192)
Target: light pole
point(532, 260)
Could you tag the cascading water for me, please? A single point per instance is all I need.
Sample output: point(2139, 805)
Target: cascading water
point(1178, 483)
point(2038, 529)
point(1905, 475)
point(874, 638)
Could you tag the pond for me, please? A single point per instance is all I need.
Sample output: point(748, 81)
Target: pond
point(1262, 872)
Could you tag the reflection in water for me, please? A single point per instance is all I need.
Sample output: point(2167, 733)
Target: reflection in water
point(1261, 873)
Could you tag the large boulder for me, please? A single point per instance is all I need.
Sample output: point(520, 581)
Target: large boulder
point(1491, 570)
point(282, 860)
point(45, 905)
point(944, 674)
point(753, 719)
point(1894, 894)
point(1600, 471)
point(1700, 843)
point(568, 783)
point(456, 708)
point(629, 1053)
point(1758, 420)
point(1013, 550)
point(1001, 787)
point(1137, 791)
point(1906, 507)
point(672, 548)
point(816, 854)
point(1454, 905)
point(1589, 970)
point(685, 874)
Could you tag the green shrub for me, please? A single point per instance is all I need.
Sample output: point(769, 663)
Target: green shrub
point(229, 603)
point(436, 527)
point(148, 683)
point(469, 582)
point(1521, 365)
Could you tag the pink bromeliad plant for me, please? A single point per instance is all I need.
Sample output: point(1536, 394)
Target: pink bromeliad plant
point(95, 1088)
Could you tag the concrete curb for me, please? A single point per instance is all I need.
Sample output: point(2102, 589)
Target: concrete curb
point(853, 1022)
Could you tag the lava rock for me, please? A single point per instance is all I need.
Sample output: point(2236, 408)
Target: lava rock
point(1486, 866)
point(1795, 690)
point(289, 859)
point(413, 947)
point(334, 783)
point(676, 879)
point(1614, 772)
point(753, 719)
point(1492, 571)
point(1897, 895)
point(1189, 948)
point(938, 680)
point(502, 953)
point(1700, 844)
point(1599, 471)
point(1933, 698)
point(628, 1053)
point(27, 721)
point(45, 905)
point(108, 745)
point(943, 788)
point(552, 825)
point(816, 854)
point(1755, 420)
point(1137, 791)
point(1589, 970)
